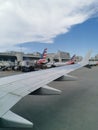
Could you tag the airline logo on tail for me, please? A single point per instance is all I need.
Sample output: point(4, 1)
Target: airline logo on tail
point(43, 57)
point(44, 54)
point(72, 60)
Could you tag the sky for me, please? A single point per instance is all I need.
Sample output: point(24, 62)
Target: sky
point(32, 25)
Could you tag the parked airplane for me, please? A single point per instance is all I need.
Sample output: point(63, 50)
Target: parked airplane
point(14, 88)
point(56, 64)
point(30, 65)
point(43, 60)
point(72, 60)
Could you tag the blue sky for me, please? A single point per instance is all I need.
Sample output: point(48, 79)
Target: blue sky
point(78, 40)
point(64, 25)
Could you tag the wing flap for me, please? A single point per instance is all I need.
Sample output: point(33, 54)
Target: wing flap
point(11, 119)
point(67, 78)
point(46, 90)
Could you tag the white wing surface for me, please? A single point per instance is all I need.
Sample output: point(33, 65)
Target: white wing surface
point(14, 88)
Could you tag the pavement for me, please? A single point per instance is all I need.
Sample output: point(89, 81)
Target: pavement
point(75, 109)
point(9, 73)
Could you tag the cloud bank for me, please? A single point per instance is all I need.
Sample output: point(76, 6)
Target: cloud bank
point(40, 20)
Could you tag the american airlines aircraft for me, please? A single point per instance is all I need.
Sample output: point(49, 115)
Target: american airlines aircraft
point(72, 60)
point(14, 88)
point(56, 64)
point(43, 60)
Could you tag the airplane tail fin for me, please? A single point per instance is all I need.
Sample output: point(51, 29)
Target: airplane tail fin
point(43, 57)
point(73, 58)
point(44, 54)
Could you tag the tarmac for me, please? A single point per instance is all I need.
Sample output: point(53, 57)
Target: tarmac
point(75, 109)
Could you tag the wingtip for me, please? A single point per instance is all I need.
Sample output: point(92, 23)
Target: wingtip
point(86, 58)
point(11, 119)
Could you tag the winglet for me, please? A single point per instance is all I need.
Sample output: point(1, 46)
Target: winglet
point(86, 58)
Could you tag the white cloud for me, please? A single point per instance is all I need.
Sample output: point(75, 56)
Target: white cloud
point(40, 20)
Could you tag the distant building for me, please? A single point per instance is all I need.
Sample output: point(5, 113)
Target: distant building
point(60, 56)
point(17, 56)
point(8, 56)
point(96, 57)
point(79, 58)
point(13, 56)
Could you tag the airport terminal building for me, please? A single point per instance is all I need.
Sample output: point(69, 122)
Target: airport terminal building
point(60, 56)
point(15, 58)
point(19, 56)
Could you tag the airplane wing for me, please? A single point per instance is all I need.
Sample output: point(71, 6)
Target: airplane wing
point(14, 88)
